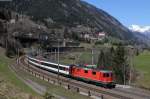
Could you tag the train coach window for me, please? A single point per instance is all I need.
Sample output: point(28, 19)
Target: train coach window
point(85, 71)
point(94, 73)
point(54, 66)
point(66, 69)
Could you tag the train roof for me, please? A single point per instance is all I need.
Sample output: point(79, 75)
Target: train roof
point(106, 71)
point(90, 68)
point(49, 62)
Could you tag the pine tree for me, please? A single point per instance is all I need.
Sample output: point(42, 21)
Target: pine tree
point(119, 63)
point(112, 53)
point(105, 59)
point(101, 60)
point(66, 33)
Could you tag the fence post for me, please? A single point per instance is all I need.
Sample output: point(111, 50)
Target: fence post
point(89, 93)
point(60, 83)
point(102, 97)
point(68, 87)
point(77, 89)
point(53, 81)
point(35, 74)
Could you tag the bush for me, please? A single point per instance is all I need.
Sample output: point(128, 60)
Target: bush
point(99, 42)
point(48, 95)
point(10, 53)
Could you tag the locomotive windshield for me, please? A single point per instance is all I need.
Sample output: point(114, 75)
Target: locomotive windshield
point(107, 74)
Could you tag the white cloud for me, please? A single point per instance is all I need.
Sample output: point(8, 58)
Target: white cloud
point(137, 28)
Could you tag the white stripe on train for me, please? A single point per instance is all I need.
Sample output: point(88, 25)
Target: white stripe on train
point(53, 69)
point(49, 62)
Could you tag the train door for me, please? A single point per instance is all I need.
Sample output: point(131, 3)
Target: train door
point(72, 70)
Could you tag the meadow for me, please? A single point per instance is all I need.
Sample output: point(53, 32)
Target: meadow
point(142, 65)
point(10, 85)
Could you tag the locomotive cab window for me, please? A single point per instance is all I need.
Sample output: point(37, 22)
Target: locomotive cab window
point(78, 70)
point(85, 71)
point(111, 74)
point(106, 75)
point(94, 73)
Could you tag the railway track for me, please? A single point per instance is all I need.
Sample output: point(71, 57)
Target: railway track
point(79, 86)
point(141, 94)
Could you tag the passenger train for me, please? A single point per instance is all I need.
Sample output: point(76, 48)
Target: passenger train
point(100, 77)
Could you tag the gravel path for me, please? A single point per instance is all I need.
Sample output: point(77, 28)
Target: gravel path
point(35, 86)
point(40, 89)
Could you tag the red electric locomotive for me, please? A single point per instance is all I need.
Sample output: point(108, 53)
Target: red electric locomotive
point(100, 77)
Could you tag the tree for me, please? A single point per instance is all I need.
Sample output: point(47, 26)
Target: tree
point(101, 60)
point(75, 36)
point(66, 33)
point(120, 64)
point(109, 57)
point(105, 59)
point(13, 47)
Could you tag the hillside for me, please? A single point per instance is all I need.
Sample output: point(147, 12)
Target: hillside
point(70, 13)
point(10, 86)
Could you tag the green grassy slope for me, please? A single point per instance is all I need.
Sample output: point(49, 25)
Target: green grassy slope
point(10, 86)
point(142, 64)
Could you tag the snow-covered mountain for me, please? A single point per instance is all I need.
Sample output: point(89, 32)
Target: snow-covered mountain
point(141, 29)
point(142, 33)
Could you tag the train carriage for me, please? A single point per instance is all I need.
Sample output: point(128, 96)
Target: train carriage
point(49, 66)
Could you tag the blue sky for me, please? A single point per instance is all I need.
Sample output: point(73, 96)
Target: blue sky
point(128, 12)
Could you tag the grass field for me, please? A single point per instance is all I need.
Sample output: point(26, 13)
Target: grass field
point(10, 86)
point(142, 64)
point(83, 57)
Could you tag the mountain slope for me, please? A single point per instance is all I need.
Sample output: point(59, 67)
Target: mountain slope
point(71, 13)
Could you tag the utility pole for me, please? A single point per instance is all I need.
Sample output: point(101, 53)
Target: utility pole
point(18, 54)
point(124, 74)
point(58, 59)
point(55, 55)
point(92, 52)
point(92, 56)
point(131, 64)
point(7, 35)
point(74, 62)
